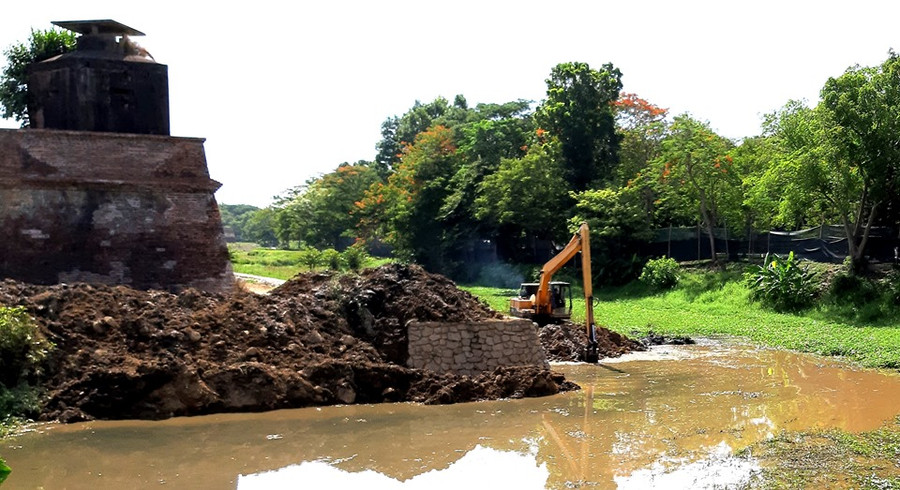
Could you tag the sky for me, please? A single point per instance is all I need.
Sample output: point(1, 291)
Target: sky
point(286, 91)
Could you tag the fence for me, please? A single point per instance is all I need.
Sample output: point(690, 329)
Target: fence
point(825, 243)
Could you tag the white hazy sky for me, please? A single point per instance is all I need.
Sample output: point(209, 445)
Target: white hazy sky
point(284, 91)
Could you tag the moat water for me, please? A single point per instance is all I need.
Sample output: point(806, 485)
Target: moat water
point(670, 418)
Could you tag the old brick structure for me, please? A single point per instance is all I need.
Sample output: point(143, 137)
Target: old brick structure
point(103, 204)
point(107, 84)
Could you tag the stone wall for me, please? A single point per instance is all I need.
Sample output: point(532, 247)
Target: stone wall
point(109, 208)
point(470, 348)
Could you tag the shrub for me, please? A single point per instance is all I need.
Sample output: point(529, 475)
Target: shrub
point(355, 255)
point(660, 273)
point(310, 257)
point(892, 287)
point(332, 259)
point(782, 284)
point(4, 470)
point(849, 288)
point(22, 347)
point(22, 353)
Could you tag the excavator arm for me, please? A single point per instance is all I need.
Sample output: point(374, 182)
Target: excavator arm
point(542, 304)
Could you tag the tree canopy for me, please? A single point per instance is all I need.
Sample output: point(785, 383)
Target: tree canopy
point(448, 177)
point(42, 44)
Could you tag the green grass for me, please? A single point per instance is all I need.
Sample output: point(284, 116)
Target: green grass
point(248, 258)
point(708, 304)
point(830, 459)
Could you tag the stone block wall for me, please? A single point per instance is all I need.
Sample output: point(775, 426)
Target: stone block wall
point(110, 208)
point(470, 348)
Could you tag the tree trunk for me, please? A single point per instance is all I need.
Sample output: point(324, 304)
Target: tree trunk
point(710, 225)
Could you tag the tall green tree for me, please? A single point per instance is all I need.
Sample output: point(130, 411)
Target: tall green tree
point(794, 184)
point(397, 132)
point(319, 213)
point(526, 197)
point(862, 113)
point(619, 223)
point(260, 227)
point(579, 112)
point(41, 44)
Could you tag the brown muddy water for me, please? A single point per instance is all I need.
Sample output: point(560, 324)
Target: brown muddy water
point(671, 418)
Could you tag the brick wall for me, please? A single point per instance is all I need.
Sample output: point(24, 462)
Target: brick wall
point(109, 208)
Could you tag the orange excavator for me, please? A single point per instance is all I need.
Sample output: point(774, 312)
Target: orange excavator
point(545, 301)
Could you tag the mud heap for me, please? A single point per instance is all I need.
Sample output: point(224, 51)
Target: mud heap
point(319, 339)
point(566, 342)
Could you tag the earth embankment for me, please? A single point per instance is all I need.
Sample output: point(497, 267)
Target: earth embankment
point(319, 339)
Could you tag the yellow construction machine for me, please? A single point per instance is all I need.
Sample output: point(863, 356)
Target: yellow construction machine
point(546, 301)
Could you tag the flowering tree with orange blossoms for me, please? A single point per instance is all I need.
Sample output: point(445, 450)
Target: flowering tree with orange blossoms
point(696, 171)
point(642, 126)
point(406, 210)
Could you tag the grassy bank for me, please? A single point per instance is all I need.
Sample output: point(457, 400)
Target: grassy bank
point(708, 304)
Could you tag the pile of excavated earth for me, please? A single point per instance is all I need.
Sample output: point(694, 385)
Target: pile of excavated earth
point(319, 339)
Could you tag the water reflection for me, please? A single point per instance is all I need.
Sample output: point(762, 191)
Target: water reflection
point(479, 468)
point(663, 420)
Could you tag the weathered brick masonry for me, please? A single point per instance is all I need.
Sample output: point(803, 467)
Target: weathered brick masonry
point(109, 208)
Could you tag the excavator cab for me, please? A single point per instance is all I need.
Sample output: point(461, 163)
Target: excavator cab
point(560, 302)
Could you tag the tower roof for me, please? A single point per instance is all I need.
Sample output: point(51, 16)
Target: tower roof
point(102, 26)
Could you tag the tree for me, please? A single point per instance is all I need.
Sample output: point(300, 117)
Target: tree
point(579, 113)
point(642, 127)
point(398, 132)
point(861, 109)
point(14, 78)
point(236, 216)
point(619, 223)
point(260, 228)
point(407, 210)
point(790, 186)
point(526, 196)
point(695, 165)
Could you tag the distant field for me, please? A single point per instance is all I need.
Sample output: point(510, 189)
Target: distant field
point(249, 258)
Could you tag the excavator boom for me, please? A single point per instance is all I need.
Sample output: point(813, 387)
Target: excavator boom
point(540, 305)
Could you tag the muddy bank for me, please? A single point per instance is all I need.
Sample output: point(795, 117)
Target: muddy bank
point(566, 342)
point(319, 339)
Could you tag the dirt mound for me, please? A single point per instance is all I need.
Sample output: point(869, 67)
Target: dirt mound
point(319, 339)
point(566, 342)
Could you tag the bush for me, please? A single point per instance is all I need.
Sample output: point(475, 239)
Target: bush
point(22, 347)
point(849, 288)
point(310, 257)
point(892, 287)
point(332, 259)
point(355, 255)
point(660, 273)
point(782, 284)
point(22, 353)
